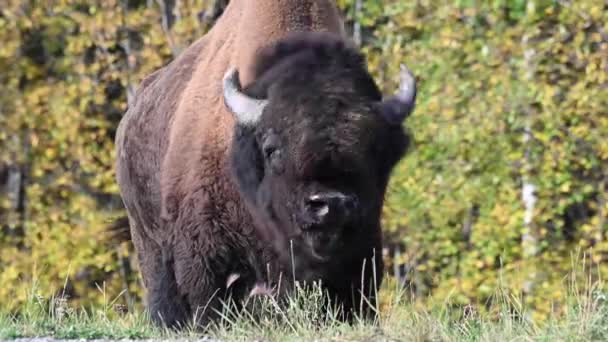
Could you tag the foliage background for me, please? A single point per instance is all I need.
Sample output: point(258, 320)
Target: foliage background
point(513, 96)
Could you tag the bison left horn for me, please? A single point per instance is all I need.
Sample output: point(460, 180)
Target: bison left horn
point(398, 107)
point(246, 110)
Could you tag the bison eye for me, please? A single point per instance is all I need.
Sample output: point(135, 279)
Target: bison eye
point(270, 144)
point(275, 160)
point(269, 151)
point(272, 152)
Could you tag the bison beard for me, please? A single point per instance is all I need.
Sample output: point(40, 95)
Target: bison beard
point(296, 194)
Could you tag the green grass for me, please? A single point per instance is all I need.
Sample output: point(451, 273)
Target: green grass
point(585, 319)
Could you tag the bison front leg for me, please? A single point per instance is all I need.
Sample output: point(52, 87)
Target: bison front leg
point(357, 297)
point(165, 304)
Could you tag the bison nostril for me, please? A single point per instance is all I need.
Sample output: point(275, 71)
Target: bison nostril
point(318, 206)
point(322, 210)
point(350, 203)
point(331, 206)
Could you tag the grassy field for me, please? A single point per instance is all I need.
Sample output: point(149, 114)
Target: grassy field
point(584, 319)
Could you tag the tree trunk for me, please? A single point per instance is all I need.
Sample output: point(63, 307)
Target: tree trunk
point(168, 19)
point(528, 191)
point(357, 24)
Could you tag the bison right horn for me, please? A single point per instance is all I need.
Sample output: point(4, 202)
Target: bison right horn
point(398, 107)
point(246, 110)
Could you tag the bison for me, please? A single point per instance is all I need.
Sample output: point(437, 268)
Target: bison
point(260, 155)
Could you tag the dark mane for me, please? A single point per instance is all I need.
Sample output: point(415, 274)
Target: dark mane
point(311, 51)
point(319, 46)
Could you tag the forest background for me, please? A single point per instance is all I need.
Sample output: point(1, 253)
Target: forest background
point(506, 184)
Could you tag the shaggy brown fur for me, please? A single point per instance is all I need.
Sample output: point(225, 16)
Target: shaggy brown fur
point(172, 165)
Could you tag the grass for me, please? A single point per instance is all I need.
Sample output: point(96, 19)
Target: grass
point(585, 319)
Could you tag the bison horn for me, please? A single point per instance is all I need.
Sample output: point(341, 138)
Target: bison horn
point(247, 110)
point(398, 107)
point(232, 278)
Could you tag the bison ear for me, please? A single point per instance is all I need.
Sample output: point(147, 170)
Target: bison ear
point(247, 164)
point(398, 107)
point(246, 110)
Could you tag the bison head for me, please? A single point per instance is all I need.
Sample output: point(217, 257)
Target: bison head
point(314, 145)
